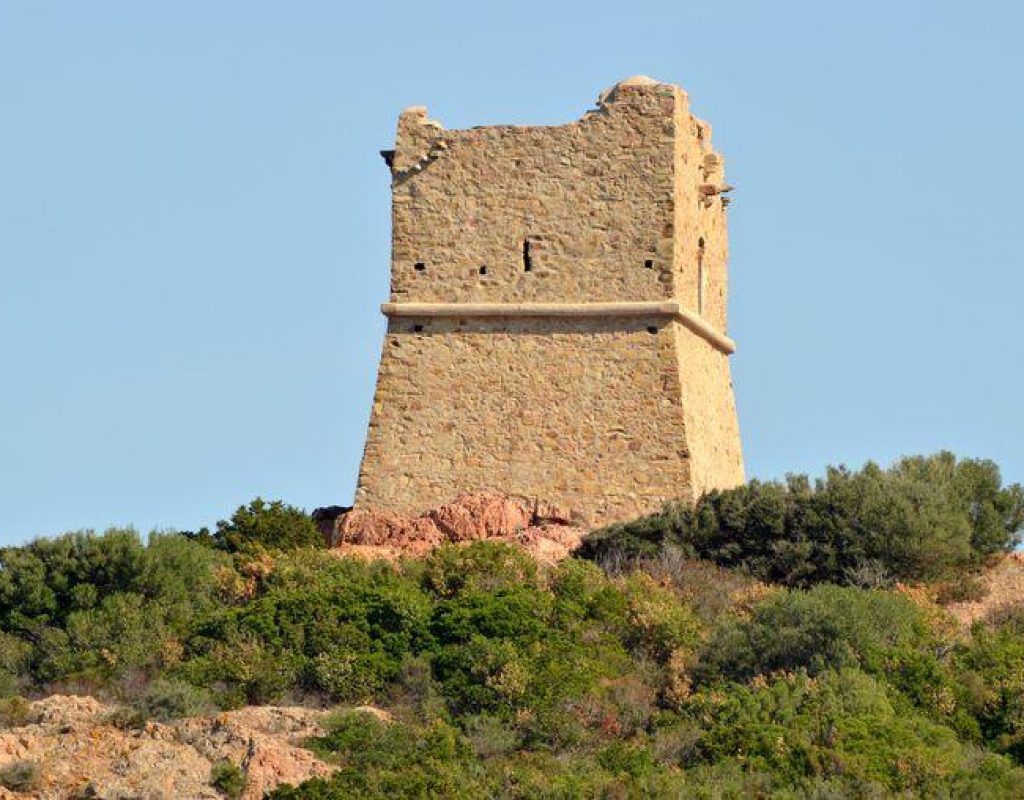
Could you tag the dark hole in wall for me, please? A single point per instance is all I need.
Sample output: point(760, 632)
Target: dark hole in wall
point(649, 263)
point(417, 329)
point(700, 275)
point(483, 270)
point(652, 329)
point(527, 260)
point(419, 266)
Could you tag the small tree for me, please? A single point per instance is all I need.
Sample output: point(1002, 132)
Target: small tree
point(273, 525)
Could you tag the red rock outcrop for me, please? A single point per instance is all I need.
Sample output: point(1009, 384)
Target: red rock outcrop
point(545, 531)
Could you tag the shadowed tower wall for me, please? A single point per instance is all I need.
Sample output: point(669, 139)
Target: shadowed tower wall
point(556, 325)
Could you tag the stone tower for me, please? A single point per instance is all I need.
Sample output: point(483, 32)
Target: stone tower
point(556, 325)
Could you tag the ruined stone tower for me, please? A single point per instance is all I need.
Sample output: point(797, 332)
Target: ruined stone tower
point(556, 325)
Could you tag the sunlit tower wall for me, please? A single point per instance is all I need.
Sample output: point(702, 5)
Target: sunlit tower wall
point(557, 317)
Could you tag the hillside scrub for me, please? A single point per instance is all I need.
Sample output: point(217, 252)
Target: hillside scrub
point(259, 526)
point(656, 676)
point(922, 519)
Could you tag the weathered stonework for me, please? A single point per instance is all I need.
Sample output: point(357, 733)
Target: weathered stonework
point(557, 314)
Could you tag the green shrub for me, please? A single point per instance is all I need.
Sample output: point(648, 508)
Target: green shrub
point(921, 519)
point(659, 624)
point(391, 760)
point(165, 699)
point(15, 660)
point(706, 588)
point(842, 727)
point(45, 581)
point(88, 607)
point(239, 668)
point(21, 776)
point(490, 736)
point(228, 779)
point(990, 679)
point(272, 526)
point(321, 624)
point(123, 632)
point(14, 712)
point(827, 627)
point(834, 735)
point(9, 684)
point(482, 566)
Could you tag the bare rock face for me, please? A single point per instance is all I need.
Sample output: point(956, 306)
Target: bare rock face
point(1002, 589)
point(547, 532)
point(75, 752)
point(474, 517)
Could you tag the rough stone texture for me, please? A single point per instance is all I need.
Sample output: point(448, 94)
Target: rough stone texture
point(543, 530)
point(79, 754)
point(607, 416)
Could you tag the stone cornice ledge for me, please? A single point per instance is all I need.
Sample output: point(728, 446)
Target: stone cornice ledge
point(684, 316)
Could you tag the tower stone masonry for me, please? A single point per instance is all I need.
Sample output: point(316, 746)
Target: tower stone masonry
point(557, 318)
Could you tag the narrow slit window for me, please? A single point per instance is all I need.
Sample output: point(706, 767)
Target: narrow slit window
point(700, 275)
point(527, 260)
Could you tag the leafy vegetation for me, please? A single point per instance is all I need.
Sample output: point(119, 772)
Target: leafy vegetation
point(924, 518)
point(228, 779)
point(755, 646)
point(21, 776)
point(262, 525)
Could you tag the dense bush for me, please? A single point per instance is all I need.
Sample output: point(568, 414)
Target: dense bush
point(273, 526)
point(316, 624)
point(828, 627)
point(921, 519)
point(843, 730)
point(990, 671)
point(836, 735)
point(84, 609)
point(87, 607)
point(651, 675)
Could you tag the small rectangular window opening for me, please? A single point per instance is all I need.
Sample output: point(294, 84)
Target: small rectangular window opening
point(417, 329)
point(700, 275)
point(527, 261)
point(483, 270)
point(649, 263)
point(419, 266)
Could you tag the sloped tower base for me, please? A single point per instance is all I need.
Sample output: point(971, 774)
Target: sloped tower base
point(588, 414)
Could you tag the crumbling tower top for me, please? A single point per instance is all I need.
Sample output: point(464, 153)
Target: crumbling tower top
point(625, 204)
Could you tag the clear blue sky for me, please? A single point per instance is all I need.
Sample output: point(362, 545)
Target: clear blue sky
point(194, 227)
